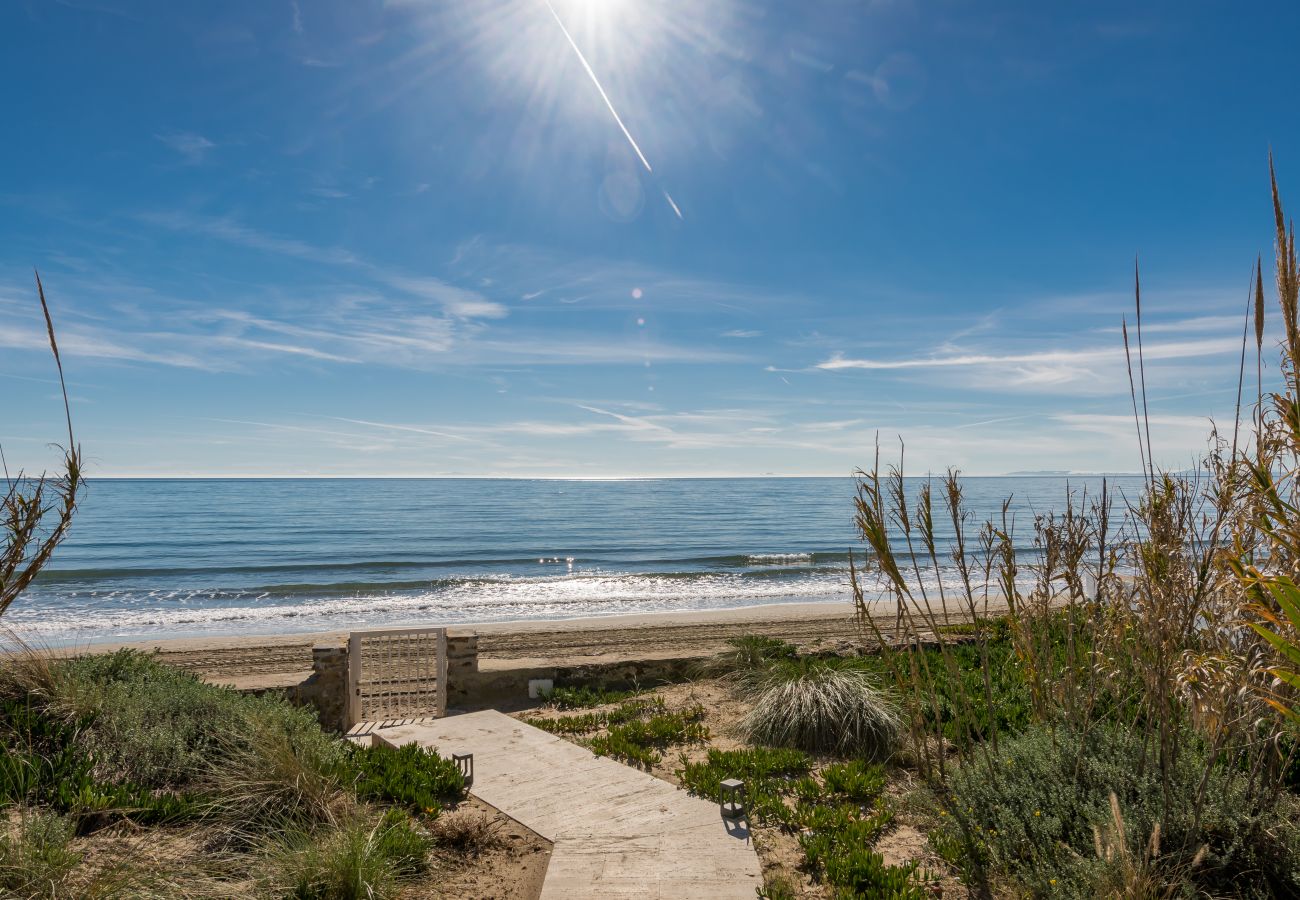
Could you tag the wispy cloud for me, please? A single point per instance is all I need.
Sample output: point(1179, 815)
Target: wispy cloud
point(410, 429)
point(193, 148)
point(74, 341)
point(456, 301)
point(1172, 350)
point(232, 231)
point(741, 333)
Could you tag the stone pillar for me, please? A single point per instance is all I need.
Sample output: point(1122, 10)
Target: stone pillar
point(462, 667)
point(327, 688)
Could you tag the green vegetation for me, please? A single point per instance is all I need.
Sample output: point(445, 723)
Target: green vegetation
point(1129, 727)
point(1043, 818)
point(634, 731)
point(584, 696)
point(638, 741)
point(91, 741)
point(589, 722)
point(360, 859)
point(413, 777)
point(838, 813)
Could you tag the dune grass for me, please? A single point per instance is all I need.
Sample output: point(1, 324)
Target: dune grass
point(824, 706)
point(120, 738)
point(360, 859)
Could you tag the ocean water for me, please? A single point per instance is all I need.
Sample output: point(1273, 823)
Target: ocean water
point(252, 556)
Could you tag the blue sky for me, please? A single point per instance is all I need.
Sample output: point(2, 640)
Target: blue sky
point(414, 238)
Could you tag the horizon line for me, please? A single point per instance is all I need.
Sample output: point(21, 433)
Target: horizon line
point(579, 477)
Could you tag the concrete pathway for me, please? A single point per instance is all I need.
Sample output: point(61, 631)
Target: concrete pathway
point(617, 832)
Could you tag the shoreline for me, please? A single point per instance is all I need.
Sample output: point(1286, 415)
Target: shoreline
point(260, 661)
point(763, 612)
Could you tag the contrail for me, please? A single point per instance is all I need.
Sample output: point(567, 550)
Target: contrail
point(673, 204)
point(603, 95)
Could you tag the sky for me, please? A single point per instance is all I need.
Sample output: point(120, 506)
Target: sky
point(622, 238)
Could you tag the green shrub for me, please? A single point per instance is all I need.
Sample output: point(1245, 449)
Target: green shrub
point(143, 721)
point(413, 777)
point(823, 705)
point(769, 775)
point(589, 722)
point(584, 696)
point(636, 742)
point(42, 762)
point(360, 860)
point(1037, 809)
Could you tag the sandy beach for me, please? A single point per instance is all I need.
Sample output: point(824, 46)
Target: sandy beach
point(286, 658)
point(267, 660)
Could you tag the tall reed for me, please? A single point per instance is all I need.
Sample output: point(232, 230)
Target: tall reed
point(37, 512)
point(1173, 615)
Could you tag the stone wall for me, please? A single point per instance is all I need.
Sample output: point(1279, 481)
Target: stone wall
point(327, 687)
point(462, 667)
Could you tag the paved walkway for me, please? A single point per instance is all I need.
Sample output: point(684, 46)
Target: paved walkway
point(617, 832)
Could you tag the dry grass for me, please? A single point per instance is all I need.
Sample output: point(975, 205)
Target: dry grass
point(275, 775)
point(467, 832)
point(823, 706)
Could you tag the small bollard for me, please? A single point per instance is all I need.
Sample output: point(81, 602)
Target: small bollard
point(733, 798)
point(465, 765)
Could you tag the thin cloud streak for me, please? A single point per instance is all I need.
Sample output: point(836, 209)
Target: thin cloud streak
point(1175, 350)
point(407, 428)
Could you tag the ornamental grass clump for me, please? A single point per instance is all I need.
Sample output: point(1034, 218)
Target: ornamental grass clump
point(361, 859)
point(823, 706)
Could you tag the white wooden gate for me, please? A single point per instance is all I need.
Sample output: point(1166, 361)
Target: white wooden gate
point(397, 673)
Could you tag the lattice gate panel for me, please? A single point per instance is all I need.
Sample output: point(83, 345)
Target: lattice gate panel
point(398, 673)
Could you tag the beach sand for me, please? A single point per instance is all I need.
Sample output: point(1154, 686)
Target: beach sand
point(270, 660)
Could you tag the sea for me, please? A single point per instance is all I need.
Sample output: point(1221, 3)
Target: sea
point(209, 557)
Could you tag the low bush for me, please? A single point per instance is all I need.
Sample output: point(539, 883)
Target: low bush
point(823, 705)
point(589, 722)
point(141, 721)
point(1040, 813)
point(362, 859)
point(584, 696)
point(636, 742)
point(42, 761)
point(769, 775)
point(411, 776)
